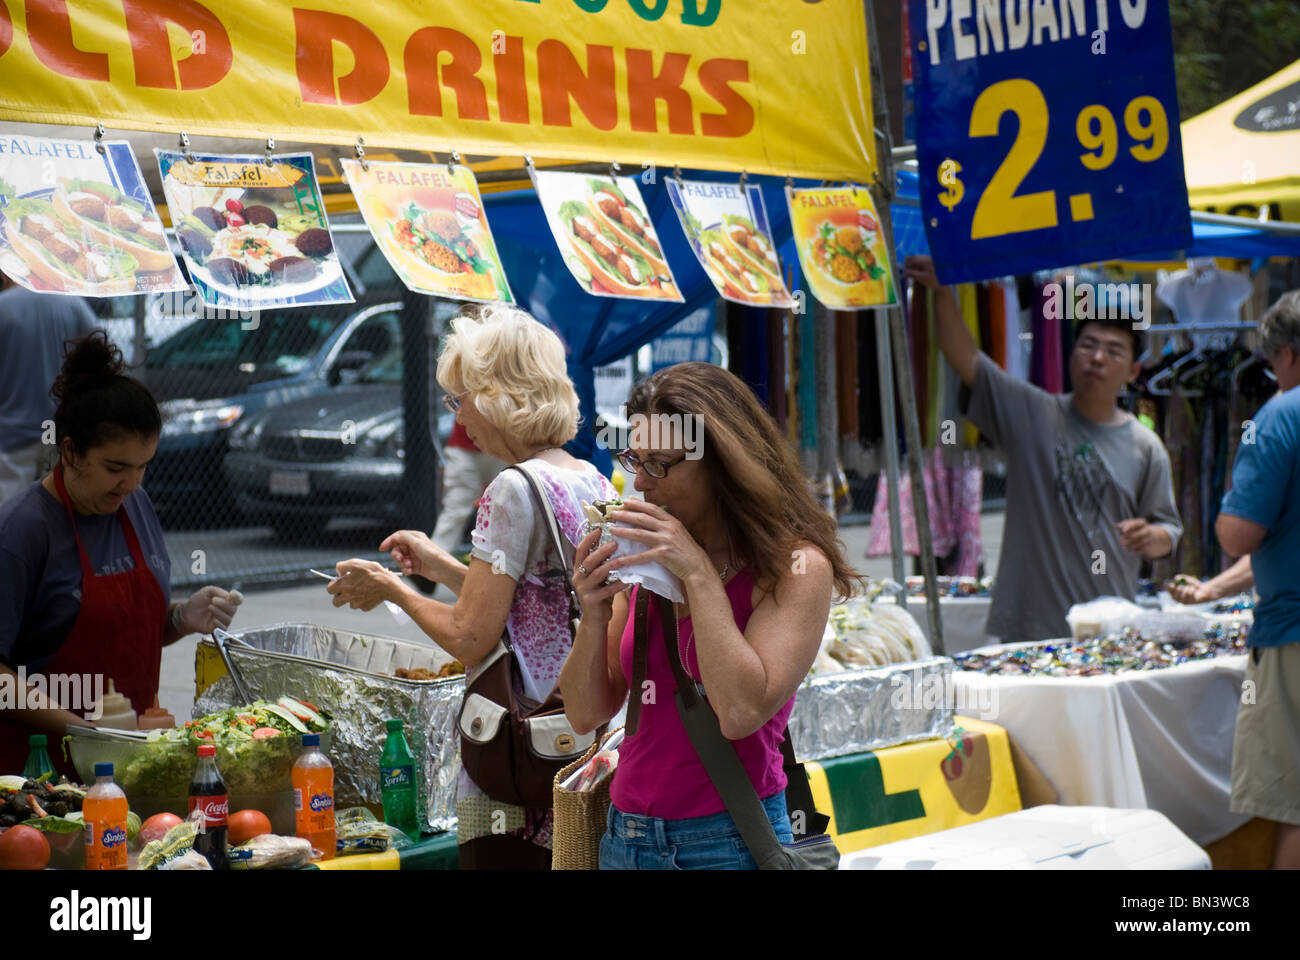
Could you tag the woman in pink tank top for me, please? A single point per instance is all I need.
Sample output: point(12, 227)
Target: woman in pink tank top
point(728, 511)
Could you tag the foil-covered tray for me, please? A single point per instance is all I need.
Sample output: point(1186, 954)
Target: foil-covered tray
point(872, 708)
point(351, 676)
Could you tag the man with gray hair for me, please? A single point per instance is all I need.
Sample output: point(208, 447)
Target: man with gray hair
point(1260, 516)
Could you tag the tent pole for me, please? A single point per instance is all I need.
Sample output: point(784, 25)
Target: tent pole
point(902, 365)
point(889, 420)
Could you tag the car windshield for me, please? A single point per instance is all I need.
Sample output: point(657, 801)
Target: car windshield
point(383, 369)
point(283, 340)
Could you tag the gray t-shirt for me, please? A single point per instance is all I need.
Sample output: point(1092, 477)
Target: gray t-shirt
point(33, 327)
point(1069, 482)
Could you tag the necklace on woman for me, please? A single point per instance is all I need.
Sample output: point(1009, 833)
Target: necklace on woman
point(683, 657)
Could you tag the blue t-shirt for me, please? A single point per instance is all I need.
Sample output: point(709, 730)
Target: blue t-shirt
point(1266, 490)
point(40, 569)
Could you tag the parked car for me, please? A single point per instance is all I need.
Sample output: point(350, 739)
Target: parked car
point(341, 454)
point(212, 375)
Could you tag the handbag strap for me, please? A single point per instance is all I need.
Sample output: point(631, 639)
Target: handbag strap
point(543, 504)
point(720, 759)
point(640, 650)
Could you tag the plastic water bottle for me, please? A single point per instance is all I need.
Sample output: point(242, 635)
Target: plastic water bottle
point(313, 797)
point(38, 760)
point(104, 812)
point(397, 783)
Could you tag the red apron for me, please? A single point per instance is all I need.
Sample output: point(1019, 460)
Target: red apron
point(118, 633)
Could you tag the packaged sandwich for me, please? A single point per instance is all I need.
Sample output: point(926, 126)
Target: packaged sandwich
point(653, 576)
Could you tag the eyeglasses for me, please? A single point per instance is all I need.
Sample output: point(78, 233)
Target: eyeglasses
point(452, 401)
point(655, 468)
point(1113, 351)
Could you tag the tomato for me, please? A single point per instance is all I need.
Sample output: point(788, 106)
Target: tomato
point(265, 733)
point(24, 848)
point(206, 735)
point(307, 703)
point(235, 219)
point(234, 206)
point(156, 827)
point(247, 824)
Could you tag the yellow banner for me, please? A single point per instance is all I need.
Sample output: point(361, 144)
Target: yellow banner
point(769, 86)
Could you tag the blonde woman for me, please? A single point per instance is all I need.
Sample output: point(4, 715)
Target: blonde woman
point(506, 382)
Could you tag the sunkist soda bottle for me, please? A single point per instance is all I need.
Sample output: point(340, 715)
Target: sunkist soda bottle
point(104, 813)
point(208, 796)
point(397, 782)
point(313, 797)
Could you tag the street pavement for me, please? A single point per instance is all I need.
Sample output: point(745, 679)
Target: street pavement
point(309, 603)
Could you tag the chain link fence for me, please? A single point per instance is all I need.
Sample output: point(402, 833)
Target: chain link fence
point(296, 438)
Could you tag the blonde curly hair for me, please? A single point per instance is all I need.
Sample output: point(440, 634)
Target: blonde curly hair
point(515, 368)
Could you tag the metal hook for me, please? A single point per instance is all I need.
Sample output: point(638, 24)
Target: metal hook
point(99, 138)
point(270, 145)
point(744, 178)
point(360, 149)
point(452, 162)
point(185, 147)
point(677, 174)
point(614, 169)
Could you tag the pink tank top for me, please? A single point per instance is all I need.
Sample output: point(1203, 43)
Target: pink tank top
point(659, 772)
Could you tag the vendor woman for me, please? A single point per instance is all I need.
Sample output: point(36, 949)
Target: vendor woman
point(84, 571)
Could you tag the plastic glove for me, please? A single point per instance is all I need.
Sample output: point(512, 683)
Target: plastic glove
point(205, 610)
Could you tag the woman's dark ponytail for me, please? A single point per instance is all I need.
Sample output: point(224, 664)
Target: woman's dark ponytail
point(96, 402)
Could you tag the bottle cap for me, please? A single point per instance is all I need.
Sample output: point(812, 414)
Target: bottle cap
point(208, 750)
point(311, 739)
point(37, 740)
point(103, 769)
point(394, 726)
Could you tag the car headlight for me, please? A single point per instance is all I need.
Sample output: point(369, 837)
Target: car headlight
point(181, 418)
point(246, 435)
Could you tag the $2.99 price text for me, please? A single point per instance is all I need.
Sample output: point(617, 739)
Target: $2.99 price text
point(1000, 210)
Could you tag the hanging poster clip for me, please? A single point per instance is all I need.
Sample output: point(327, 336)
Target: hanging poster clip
point(185, 147)
point(528, 163)
point(677, 174)
point(744, 179)
point(614, 169)
point(452, 162)
point(270, 146)
point(99, 138)
point(360, 149)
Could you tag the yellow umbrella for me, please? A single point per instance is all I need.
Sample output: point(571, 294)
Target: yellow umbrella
point(1244, 154)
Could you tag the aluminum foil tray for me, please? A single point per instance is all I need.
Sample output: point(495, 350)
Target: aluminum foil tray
point(875, 707)
point(351, 676)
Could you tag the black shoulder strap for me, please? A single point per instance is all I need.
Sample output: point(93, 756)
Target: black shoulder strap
point(640, 654)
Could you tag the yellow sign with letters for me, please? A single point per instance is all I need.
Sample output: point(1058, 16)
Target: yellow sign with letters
point(770, 86)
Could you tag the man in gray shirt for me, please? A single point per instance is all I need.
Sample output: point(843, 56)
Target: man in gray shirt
point(1089, 489)
point(33, 328)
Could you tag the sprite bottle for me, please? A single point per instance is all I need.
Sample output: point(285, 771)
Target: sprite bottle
point(397, 783)
point(38, 760)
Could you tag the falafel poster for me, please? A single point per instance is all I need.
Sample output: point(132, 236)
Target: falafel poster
point(77, 221)
point(253, 230)
point(841, 247)
point(727, 226)
point(606, 237)
point(429, 221)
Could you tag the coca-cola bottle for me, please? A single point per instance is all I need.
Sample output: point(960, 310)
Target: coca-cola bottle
point(208, 795)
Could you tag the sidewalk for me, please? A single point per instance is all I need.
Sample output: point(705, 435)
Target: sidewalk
point(311, 604)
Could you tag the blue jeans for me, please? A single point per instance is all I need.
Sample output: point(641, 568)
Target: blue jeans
point(634, 842)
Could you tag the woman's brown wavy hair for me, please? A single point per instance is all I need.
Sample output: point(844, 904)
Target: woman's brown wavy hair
point(766, 503)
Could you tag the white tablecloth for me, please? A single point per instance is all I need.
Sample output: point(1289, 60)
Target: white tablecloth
point(963, 621)
point(1155, 739)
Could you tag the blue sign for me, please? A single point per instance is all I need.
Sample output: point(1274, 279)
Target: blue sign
point(1047, 133)
point(691, 339)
